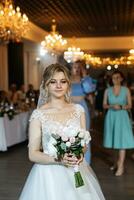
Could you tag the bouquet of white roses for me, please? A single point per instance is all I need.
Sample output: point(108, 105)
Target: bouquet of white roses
point(71, 141)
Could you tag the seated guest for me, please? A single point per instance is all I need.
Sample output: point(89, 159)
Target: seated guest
point(31, 96)
point(3, 97)
point(21, 93)
point(13, 95)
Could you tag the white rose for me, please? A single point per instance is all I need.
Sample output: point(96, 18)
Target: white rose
point(64, 138)
point(87, 141)
point(87, 137)
point(82, 143)
point(81, 134)
point(70, 131)
point(72, 139)
point(87, 133)
point(73, 132)
point(68, 144)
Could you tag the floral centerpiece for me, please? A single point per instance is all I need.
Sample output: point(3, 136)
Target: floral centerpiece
point(72, 141)
point(8, 109)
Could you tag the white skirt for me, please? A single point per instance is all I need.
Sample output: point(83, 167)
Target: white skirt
point(56, 182)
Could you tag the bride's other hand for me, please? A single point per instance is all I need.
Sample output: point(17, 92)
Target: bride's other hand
point(80, 159)
point(69, 160)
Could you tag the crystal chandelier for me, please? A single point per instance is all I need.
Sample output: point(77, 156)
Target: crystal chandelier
point(73, 54)
point(54, 42)
point(13, 25)
point(131, 51)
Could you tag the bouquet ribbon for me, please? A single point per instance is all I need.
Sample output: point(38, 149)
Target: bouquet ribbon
point(78, 178)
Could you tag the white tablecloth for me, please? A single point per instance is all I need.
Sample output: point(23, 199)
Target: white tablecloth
point(13, 131)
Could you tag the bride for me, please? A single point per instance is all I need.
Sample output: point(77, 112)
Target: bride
point(51, 179)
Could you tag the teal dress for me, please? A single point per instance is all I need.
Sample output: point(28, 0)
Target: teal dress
point(117, 126)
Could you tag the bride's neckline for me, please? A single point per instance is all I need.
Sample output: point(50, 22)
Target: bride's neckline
point(58, 108)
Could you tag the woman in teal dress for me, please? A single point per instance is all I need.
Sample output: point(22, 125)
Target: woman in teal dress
point(117, 127)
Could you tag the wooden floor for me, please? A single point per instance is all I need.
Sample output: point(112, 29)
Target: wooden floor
point(14, 168)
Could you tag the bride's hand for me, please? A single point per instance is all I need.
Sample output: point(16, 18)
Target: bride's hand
point(80, 159)
point(70, 160)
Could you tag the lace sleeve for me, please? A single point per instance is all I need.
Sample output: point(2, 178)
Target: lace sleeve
point(79, 109)
point(34, 135)
point(35, 115)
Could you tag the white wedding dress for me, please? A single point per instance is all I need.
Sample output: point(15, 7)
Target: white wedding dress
point(56, 182)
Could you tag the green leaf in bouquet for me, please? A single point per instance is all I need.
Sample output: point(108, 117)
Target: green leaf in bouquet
point(60, 150)
point(57, 137)
point(75, 146)
point(77, 142)
point(59, 154)
point(77, 153)
point(58, 142)
point(77, 139)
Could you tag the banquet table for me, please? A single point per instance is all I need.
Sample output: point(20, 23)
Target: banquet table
point(13, 131)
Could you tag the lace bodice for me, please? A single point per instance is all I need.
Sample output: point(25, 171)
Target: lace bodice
point(53, 120)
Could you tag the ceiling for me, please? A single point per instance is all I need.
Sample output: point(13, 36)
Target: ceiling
point(82, 18)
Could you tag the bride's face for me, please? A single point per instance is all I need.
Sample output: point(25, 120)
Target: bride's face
point(58, 85)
